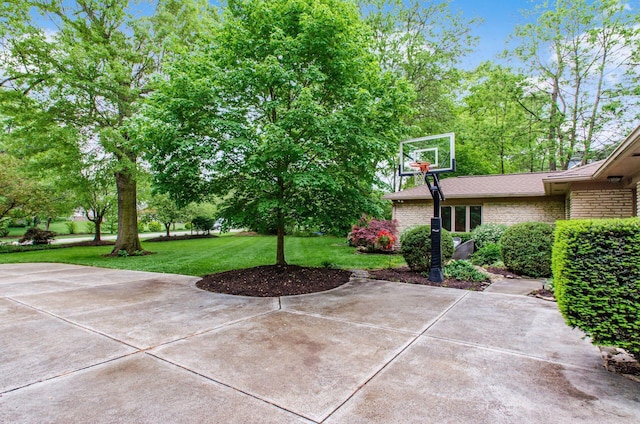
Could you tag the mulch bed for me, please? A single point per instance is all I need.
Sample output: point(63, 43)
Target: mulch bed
point(273, 280)
point(405, 275)
point(182, 237)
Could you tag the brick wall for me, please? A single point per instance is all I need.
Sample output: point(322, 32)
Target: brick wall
point(602, 203)
point(503, 210)
point(638, 198)
point(412, 212)
point(514, 211)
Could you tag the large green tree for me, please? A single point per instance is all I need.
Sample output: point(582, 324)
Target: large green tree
point(496, 132)
point(424, 42)
point(285, 114)
point(90, 71)
point(578, 53)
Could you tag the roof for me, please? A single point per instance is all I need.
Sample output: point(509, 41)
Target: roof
point(502, 185)
point(578, 173)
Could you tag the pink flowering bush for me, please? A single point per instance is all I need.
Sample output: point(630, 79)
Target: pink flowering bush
point(373, 235)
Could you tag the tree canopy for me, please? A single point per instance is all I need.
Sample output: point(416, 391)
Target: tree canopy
point(286, 112)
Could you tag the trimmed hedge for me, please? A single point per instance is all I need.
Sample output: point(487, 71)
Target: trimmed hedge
point(416, 247)
point(526, 248)
point(596, 276)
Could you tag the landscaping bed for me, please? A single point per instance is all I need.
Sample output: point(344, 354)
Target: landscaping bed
point(273, 280)
point(405, 275)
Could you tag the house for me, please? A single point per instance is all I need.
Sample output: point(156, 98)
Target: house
point(604, 189)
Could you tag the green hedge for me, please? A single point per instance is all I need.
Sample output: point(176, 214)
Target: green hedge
point(416, 247)
point(596, 276)
point(488, 233)
point(526, 249)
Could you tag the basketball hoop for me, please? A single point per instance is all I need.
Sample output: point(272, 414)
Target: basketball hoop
point(422, 169)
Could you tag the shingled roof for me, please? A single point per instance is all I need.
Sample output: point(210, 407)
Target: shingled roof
point(502, 185)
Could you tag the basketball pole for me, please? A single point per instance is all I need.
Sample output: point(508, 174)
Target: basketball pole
point(435, 273)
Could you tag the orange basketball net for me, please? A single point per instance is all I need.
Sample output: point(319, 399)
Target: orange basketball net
point(423, 167)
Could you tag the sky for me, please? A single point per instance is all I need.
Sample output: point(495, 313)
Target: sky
point(500, 19)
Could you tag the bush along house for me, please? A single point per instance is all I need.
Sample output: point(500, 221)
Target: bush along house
point(604, 189)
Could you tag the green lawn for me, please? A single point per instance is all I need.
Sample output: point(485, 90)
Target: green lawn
point(206, 256)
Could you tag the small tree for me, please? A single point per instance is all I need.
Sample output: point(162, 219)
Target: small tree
point(166, 211)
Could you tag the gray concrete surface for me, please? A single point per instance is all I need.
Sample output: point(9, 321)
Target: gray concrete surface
point(83, 344)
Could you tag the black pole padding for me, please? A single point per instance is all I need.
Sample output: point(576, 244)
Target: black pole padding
point(435, 273)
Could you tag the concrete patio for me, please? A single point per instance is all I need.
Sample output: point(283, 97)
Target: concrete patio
point(82, 344)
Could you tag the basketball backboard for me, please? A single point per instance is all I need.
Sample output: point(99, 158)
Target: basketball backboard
point(438, 150)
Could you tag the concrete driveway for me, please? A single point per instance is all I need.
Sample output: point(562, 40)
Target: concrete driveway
point(82, 344)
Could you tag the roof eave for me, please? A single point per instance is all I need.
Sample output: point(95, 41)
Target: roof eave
point(618, 152)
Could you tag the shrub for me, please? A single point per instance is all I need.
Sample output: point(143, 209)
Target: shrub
point(489, 254)
point(91, 227)
point(72, 227)
point(416, 247)
point(155, 226)
point(38, 236)
point(596, 277)
point(373, 234)
point(526, 249)
point(4, 228)
point(141, 227)
point(187, 225)
point(464, 271)
point(203, 223)
point(488, 233)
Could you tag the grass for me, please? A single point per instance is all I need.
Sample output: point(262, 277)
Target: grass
point(206, 256)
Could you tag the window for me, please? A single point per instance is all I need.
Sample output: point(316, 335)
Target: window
point(446, 217)
point(461, 218)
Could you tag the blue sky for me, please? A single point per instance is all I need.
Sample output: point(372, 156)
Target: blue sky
point(500, 19)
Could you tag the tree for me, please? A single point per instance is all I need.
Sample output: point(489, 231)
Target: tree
point(579, 53)
point(166, 210)
point(285, 115)
point(423, 42)
point(15, 189)
point(96, 195)
point(91, 72)
point(494, 123)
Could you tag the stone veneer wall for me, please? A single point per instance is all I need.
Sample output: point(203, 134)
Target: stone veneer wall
point(602, 203)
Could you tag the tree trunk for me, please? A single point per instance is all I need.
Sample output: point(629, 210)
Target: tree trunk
point(551, 134)
point(167, 226)
point(127, 215)
point(97, 235)
point(280, 261)
point(48, 224)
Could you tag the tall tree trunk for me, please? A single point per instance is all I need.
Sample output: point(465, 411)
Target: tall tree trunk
point(551, 134)
point(97, 236)
point(127, 214)
point(280, 261)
